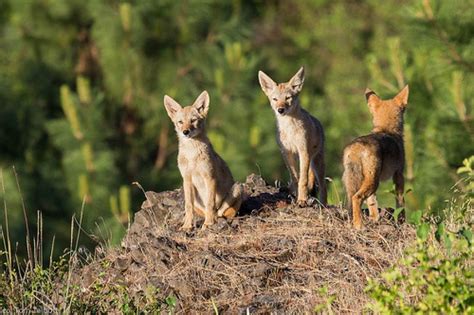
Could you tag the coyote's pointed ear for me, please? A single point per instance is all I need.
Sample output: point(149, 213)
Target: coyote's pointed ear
point(402, 97)
point(371, 97)
point(202, 103)
point(266, 82)
point(172, 107)
point(296, 82)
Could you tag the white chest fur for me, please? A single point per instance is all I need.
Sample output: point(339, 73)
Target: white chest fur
point(291, 133)
point(194, 156)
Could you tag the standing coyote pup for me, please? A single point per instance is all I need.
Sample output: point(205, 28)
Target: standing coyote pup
point(209, 188)
point(299, 135)
point(377, 156)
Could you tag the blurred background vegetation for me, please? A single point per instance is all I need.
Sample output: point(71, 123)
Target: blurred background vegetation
point(82, 84)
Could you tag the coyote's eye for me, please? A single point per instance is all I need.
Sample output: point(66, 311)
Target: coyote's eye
point(193, 120)
point(288, 98)
point(275, 99)
point(180, 122)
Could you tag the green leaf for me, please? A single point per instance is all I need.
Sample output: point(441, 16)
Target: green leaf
point(415, 217)
point(396, 213)
point(423, 230)
point(171, 301)
point(467, 233)
point(447, 242)
point(440, 232)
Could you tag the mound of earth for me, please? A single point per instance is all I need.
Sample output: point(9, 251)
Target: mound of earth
point(274, 257)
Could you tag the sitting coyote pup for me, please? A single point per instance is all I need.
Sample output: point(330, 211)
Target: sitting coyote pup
point(299, 135)
point(209, 188)
point(378, 156)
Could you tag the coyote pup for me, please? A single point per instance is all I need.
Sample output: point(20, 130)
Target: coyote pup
point(299, 135)
point(377, 156)
point(209, 188)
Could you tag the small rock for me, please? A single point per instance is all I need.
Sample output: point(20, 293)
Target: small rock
point(281, 204)
point(137, 256)
point(135, 269)
point(221, 224)
point(122, 263)
point(386, 229)
point(170, 202)
point(234, 223)
point(255, 180)
point(181, 287)
point(260, 269)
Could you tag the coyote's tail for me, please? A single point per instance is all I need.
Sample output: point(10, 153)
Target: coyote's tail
point(352, 177)
point(231, 205)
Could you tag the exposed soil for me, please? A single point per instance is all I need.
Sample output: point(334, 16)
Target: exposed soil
point(273, 258)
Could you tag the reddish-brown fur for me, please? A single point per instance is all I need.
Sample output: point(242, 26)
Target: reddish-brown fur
point(377, 156)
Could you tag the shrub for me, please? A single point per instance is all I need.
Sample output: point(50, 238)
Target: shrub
point(436, 275)
point(428, 280)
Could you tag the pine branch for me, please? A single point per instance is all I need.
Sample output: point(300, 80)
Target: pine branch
point(444, 38)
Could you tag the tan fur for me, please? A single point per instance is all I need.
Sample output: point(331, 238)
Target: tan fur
point(299, 135)
point(378, 156)
point(209, 188)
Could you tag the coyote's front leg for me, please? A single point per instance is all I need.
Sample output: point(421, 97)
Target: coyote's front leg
point(292, 164)
point(210, 211)
point(303, 178)
point(188, 203)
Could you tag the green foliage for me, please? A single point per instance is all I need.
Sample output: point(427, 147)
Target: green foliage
point(430, 54)
point(326, 307)
point(82, 117)
point(468, 171)
point(45, 290)
point(22, 290)
point(436, 275)
point(428, 281)
point(105, 296)
point(83, 83)
point(86, 159)
point(31, 287)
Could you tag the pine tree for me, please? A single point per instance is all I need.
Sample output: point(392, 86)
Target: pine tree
point(434, 55)
point(82, 90)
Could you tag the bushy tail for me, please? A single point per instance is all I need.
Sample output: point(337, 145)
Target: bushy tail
point(231, 204)
point(352, 178)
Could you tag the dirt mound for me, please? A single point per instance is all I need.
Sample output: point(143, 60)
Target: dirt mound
point(274, 257)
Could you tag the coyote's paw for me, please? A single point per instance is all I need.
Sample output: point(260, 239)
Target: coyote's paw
point(187, 224)
point(186, 227)
point(207, 223)
point(205, 226)
point(374, 217)
point(302, 203)
point(358, 226)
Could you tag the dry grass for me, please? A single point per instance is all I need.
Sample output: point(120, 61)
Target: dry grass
point(275, 258)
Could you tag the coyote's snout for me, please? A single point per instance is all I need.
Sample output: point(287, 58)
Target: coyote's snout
point(209, 188)
point(377, 156)
point(300, 136)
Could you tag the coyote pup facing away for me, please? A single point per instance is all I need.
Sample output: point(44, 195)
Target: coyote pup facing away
point(209, 188)
point(299, 135)
point(378, 156)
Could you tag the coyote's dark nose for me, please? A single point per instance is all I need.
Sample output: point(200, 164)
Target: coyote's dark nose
point(186, 132)
point(281, 110)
